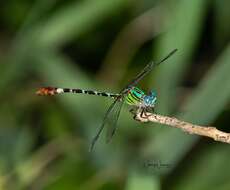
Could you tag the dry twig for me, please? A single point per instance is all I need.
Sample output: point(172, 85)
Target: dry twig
point(207, 131)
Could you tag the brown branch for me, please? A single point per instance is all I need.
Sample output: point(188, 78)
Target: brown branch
point(207, 131)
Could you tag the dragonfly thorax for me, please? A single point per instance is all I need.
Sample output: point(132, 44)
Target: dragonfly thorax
point(136, 97)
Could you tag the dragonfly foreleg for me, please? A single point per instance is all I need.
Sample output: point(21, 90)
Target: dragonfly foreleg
point(146, 112)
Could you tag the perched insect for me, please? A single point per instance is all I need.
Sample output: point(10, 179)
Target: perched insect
point(131, 95)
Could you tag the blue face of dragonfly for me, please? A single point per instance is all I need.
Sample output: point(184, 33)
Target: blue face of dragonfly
point(150, 100)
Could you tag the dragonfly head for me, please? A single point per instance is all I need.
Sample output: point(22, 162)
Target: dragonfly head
point(150, 100)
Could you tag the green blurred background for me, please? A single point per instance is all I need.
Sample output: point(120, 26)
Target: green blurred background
point(101, 45)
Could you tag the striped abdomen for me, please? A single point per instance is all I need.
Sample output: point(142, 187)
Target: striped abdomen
point(50, 91)
point(135, 96)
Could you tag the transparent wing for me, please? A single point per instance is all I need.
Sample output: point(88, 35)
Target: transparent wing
point(146, 70)
point(110, 119)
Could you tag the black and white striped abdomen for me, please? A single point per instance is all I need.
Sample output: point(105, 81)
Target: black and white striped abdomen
point(90, 92)
point(54, 90)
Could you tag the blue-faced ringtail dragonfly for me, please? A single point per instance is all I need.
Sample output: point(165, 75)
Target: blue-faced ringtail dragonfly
point(130, 95)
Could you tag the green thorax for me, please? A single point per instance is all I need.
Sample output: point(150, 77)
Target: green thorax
point(135, 96)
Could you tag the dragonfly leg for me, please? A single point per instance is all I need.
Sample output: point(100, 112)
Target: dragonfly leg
point(144, 113)
point(135, 111)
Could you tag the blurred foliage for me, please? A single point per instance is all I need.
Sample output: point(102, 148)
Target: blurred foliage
point(101, 45)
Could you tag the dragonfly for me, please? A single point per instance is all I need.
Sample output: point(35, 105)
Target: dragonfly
point(130, 94)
